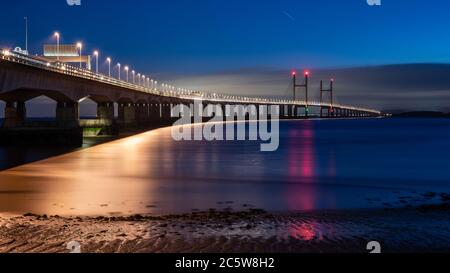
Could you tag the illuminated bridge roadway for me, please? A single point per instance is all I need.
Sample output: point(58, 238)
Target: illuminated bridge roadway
point(23, 78)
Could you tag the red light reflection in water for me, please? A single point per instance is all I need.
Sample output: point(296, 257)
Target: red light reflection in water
point(301, 154)
point(303, 232)
point(301, 168)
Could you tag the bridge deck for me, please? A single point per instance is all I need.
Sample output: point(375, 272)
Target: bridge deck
point(72, 71)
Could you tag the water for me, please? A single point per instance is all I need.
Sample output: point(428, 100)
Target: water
point(328, 164)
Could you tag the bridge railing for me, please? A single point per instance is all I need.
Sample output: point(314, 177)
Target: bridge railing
point(70, 70)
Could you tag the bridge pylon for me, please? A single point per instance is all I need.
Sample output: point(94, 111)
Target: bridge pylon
point(331, 91)
point(305, 85)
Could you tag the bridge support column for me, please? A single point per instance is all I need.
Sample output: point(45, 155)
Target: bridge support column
point(15, 114)
point(127, 113)
point(67, 114)
point(105, 111)
point(142, 113)
point(166, 113)
point(154, 112)
point(285, 111)
point(292, 114)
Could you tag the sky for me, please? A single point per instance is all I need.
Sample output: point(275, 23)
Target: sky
point(232, 45)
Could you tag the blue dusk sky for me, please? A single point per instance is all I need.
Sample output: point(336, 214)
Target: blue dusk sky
point(249, 47)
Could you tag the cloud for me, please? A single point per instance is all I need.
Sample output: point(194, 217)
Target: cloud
point(400, 87)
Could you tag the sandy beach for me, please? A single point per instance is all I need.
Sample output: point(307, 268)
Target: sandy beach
point(422, 229)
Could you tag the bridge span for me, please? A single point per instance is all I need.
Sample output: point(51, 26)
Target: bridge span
point(23, 78)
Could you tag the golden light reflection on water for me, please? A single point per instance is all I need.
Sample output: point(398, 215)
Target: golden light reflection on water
point(146, 173)
point(152, 173)
point(105, 179)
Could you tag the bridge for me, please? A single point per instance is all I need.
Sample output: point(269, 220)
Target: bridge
point(24, 77)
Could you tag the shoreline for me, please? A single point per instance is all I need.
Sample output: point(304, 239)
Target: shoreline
point(421, 229)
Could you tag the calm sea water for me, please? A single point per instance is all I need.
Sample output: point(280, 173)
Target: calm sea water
point(326, 164)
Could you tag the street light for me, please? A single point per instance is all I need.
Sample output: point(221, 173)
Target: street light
point(133, 73)
point(109, 66)
point(119, 66)
point(80, 46)
point(143, 80)
point(139, 78)
point(57, 45)
point(126, 70)
point(96, 61)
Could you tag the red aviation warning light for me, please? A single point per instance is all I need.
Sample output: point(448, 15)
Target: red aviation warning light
point(306, 73)
point(294, 73)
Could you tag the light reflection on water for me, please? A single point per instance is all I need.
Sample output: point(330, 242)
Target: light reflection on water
point(320, 165)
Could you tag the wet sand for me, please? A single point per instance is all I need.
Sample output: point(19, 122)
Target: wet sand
point(422, 229)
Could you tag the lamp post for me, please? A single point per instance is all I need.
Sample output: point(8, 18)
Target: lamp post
point(133, 74)
point(109, 66)
point(57, 35)
point(80, 46)
point(26, 34)
point(96, 61)
point(119, 67)
point(139, 78)
point(126, 70)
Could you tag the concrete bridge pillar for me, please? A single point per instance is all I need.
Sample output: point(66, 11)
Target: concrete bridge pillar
point(15, 114)
point(142, 113)
point(67, 114)
point(282, 111)
point(154, 112)
point(105, 111)
point(166, 113)
point(127, 113)
point(290, 111)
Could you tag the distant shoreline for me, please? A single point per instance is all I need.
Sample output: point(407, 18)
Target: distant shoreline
point(422, 114)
